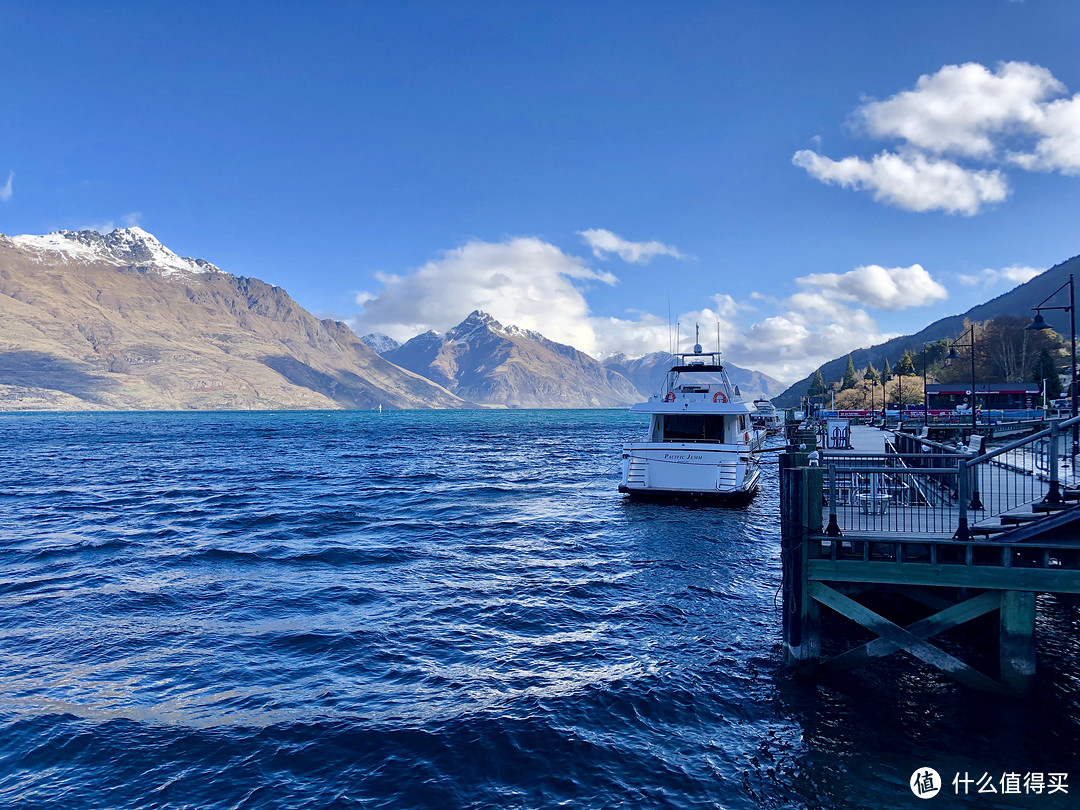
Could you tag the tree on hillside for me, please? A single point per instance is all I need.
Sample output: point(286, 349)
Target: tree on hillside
point(1004, 351)
point(1010, 349)
point(850, 379)
point(1046, 369)
point(857, 398)
point(907, 363)
point(817, 385)
point(871, 374)
point(958, 369)
point(886, 372)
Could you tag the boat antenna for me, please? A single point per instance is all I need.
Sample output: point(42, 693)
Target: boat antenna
point(669, 347)
point(718, 340)
point(697, 339)
point(678, 337)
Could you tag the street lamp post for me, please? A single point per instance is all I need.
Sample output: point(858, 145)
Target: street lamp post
point(1039, 323)
point(952, 355)
point(885, 380)
point(976, 501)
point(925, 402)
point(900, 397)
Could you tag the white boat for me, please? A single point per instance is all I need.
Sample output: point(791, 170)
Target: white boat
point(766, 417)
point(701, 444)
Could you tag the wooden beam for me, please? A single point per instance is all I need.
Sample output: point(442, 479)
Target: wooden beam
point(1017, 639)
point(1037, 580)
point(941, 621)
point(901, 638)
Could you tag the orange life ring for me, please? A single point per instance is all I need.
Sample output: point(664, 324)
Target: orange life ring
point(669, 397)
point(719, 396)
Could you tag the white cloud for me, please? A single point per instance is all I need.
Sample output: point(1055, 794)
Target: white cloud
point(1009, 117)
point(964, 109)
point(872, 285)
point(523, 281)
point(5, 190)
point(643, 334)
point(911, 181)
point(530, 283)
point(1058, 147)
point(131, 220)
point(604, 242)
point(1014, 275)
point(810, 331)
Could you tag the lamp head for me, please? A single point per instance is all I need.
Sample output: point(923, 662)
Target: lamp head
point(1038, 322)
point(952, 355)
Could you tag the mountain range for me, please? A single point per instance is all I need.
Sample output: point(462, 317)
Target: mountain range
point(95, 321)
point(1018, 302)
point(483, 361)
point(118, 321)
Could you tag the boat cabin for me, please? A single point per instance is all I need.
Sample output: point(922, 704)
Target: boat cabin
point(698, 427)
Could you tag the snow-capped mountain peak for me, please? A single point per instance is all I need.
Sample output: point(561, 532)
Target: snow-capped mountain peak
point(477, 321)
point(379, 342)
point(122, 247)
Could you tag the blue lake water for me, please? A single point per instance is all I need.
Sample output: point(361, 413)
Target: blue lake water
point(437, 609)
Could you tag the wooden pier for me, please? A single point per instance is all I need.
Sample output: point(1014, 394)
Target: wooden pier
point(917, 553)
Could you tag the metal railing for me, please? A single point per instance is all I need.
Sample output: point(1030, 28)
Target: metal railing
point(955, 491)
point(886, 494)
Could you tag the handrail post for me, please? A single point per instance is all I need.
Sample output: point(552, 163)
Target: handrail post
point(1053, 495)
point(962, 531)
point(976, 501)
point(833, 529)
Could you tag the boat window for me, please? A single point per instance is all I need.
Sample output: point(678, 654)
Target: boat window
point(687, 427)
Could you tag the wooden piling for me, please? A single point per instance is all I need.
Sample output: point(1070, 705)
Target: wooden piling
point(1017, 639)
point(800, 494)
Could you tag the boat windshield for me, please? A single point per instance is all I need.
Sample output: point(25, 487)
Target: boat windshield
point(699, 378)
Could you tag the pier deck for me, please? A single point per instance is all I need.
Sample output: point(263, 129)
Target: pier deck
point(954, 535)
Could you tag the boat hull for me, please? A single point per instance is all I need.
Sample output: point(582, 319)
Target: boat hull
point(690, 471)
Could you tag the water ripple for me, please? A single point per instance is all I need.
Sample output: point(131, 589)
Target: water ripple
point(314, 609)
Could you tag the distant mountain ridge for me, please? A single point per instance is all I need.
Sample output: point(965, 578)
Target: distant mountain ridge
point(1018, 302)
point(119, 321)
point(484, 361)
point(131, 247)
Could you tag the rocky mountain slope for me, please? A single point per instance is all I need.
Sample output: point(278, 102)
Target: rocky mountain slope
point(118, 321)
point(1017, 302)
point(647, 373)
point(483, 361)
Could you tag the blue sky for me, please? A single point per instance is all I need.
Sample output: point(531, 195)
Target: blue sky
point(815, 176)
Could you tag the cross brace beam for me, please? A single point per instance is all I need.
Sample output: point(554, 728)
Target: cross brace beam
point(893, 637)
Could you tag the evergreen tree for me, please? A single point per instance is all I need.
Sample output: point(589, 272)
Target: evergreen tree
point(886, 372)
point(817, 385)
point(850, 379)
point(907, 363)
point(871, 374)
point(1045, 369)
